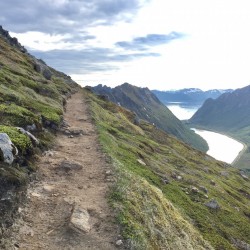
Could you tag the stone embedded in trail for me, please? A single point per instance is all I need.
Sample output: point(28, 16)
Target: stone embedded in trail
point(74, 132)
point(7, 149)
point(79, 220)
point(69, 165)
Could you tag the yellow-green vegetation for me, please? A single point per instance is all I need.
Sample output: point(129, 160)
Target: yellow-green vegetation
point(28, 99)
point(21, 141)
point(155, 190)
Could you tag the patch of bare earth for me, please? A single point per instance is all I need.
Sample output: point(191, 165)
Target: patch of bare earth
point(67, 205)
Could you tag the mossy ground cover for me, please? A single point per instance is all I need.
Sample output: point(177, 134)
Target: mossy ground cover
point(145, 203)
point(27, 98)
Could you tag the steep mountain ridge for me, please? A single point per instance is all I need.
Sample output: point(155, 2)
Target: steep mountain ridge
point(148, 107)
point(32, 98)
point(192, 96)
point(229, 113)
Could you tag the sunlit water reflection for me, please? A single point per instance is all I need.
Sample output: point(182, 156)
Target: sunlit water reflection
point(221, 147)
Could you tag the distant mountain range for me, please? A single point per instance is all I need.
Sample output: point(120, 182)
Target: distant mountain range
point(190, 95)
point(148, 107)
point(229, 113)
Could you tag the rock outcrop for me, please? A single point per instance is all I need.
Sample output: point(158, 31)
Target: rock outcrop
point(11, 40)
point(7, 149)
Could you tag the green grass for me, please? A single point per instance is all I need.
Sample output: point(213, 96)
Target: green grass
point(152, 214)
point(27, 98)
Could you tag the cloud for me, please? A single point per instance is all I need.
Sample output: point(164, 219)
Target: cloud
point(64, 16)
point(88, 60)
point(144, 43)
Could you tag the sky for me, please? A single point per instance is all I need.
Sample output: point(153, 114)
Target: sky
point(159, 44)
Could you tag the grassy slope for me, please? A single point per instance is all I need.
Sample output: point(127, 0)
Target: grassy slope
point(26, 98)
point(155, 215)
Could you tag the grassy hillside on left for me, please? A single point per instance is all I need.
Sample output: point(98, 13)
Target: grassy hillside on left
point(32, 97)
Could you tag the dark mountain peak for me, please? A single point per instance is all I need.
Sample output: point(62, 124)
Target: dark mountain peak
point(230, 111)
point(11, 40)
point(148, 107)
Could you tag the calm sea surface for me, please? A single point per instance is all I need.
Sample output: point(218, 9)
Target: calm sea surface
point(221, 147)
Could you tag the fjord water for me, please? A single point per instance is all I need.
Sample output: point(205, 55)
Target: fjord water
point(221, 147)
point(181, 110)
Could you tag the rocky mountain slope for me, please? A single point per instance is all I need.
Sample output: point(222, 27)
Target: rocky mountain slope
point(147, 107)
point(167, 194)
point(32, 98)
point(229, 113)
point(192, 96)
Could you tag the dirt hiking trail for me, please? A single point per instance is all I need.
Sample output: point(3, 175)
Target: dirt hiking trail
point(67, 204)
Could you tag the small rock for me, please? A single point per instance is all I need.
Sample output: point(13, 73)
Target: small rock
point(82, 119)
point(48, 153)
point(68, 166)
point(165, 181)
point(141, 162)
point(212, 182)
point(119, 242)
point(243, 176)
point(204, 189)
point(224, 173)
point(77, 132)
point(48, 188)
point(212, 204)
point(206, 196)
point(108, 172)
point(26, 230)
point(71, 136)
point(178, 177)
point(79, 220)
point(34, 194)
point(80, 187)
point(88, 147)
point(194, 190)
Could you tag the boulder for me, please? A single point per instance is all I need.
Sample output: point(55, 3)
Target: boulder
point(47, 74)
point(7, 149)
point(79, 220)
point(41, 67)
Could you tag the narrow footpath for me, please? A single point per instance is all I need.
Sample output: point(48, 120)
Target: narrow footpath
point(67, 204)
